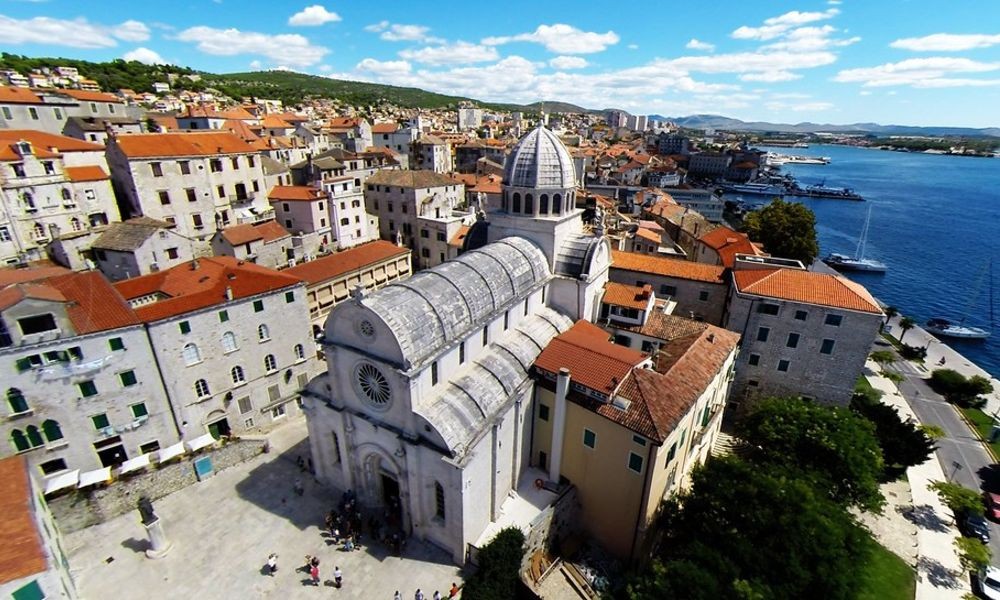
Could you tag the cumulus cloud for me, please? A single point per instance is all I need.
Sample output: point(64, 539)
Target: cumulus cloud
point(398, 32)
point(145, 56)
point(754, 62)
point(776, 26)
point(771, 76)
point(451, 54)
point(933, 72)
point(561, 39)
point(568, 62)
point(291, 50)
point(74, 33)
point(947, 42)
point(810, 39)
point(312, 16)
point(387, 67)
point(696, 44)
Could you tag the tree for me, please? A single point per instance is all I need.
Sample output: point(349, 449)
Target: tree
point(498, 577)
point(961, 500)
point(973, 554)
point(890, 312)
point(883, 357)
point(906, 324)
point(903, 443)
point(750, 532)
point(786, 229)
point(958, 389)
point(831, 446)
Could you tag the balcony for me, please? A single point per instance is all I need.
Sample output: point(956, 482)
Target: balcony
point(241, 200)
point(258, 217)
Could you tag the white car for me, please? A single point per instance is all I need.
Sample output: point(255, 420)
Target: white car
point(989, 583)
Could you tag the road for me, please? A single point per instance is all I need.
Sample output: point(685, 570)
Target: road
point(963, 458)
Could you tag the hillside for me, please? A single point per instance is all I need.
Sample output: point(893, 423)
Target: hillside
point(729, 124)
point(113, 75)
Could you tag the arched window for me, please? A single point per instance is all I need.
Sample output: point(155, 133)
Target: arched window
point(300, 352)
point(529, 204)
point(76, 224)
point(28, 199)
point(191, 354)
point(263, 333)
point(66, 195)
point(34, 436)
point(201, 388)
point(543, 204)
point(237, 374)
point(228, 342)
point(19, 440)
point(51, 430)
point(16, 401)
point(438, 500)
point(517, 203)
point(557, 204)
point(269, 363)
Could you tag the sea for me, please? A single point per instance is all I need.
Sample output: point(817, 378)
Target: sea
point(935, 222)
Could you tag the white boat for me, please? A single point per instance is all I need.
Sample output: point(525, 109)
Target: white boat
point(756, 189)
point(806, 160)
point(946, 328)
point(858, 262)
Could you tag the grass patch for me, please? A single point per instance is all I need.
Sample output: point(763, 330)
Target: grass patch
point(983, 424)
point(895, 343)
point(862, 386)
point(886, 576)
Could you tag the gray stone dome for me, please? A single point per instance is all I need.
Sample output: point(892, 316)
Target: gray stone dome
point(540, 160)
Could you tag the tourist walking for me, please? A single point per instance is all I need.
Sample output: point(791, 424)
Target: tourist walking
point(419, 595)
point(397, 596)
point(314, 574)
point(453, 592)
point(272, 564)
point(338, 577)
point(436, 596)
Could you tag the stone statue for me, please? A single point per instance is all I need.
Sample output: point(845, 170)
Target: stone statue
point(146, 511)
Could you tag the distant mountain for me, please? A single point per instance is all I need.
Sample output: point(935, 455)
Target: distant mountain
point(720, 122)
point(555, 107)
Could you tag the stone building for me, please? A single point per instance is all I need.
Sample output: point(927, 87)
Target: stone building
point(139, 246)
point(699, 290)
point(431, 153)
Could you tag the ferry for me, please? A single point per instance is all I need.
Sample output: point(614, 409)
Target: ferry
point(773, 190)
point(821, 191)
point(774, 159)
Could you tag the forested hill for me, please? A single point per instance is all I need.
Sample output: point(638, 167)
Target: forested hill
point(111, 76)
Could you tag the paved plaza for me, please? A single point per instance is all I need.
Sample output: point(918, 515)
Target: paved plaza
point(223, 529)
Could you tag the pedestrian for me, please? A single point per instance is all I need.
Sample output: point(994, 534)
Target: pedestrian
point(338, 577)
point(436, 596)
point(453, 593)
point(419, 595)
point(272, 564)
point(298, 487)
point(314, 574)
point(397, 596)
point(349, 544)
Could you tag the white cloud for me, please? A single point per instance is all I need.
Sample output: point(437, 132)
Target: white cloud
point(397, 32)
point(947, 42)
point(452, 54)
point(255, 64)
point(568, 62)
point(696, 44)
point(776, 26)
point(810, 39)
point(561, 39)
point(921, 73)
point(288, 49)
point(633, 46)
point(376, 27)
point(386, 68)
point(753, 62)
point(145, 56)
point(74, 33)
point(799, 107)
point(770, 76)
point(312, 16)
point(324, 68)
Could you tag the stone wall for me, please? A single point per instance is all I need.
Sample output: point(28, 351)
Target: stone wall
point(82, 509)
point(558, 521)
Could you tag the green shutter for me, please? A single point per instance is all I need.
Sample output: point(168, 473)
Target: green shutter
point(116, 344)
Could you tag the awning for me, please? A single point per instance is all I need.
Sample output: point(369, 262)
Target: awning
point(63, 481)
point(171, 452)
point(134, 464)
point(200, 442)
point(95, 477)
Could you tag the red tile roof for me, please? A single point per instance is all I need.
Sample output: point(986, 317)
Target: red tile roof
point(807, 287)
point(275, 122)
point(267, 231)
point(629, 296)
point(18, 95)
point(188, 143)
point(87, 173)
point(296, 193)
point(21, 553)
point(91, 96)
point(200, 284)
point(592, 360)
point(669, 267)
point(458, 240)
point(94, 304)
point(353, 259)
point(384, 128)
point(649, 236)
point(728, 243)
point(12, 275)
point(44, 145)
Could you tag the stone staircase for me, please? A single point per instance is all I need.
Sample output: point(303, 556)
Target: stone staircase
point(726, 444)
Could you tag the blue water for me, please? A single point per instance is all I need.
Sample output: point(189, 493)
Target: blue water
point(935, 222)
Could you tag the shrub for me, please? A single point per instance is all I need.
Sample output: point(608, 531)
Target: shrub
point(498, 577)
point(960, 390)
point(912, 352)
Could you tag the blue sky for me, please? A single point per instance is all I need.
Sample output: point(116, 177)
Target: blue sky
point(913, 62)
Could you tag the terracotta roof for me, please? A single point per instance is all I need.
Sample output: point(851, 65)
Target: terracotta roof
point(458, 240)
point(11, 295)
point(353, 259)
point(167, 122)
point(384, 128)
point(18, 95)
point(669, 267)
point(12, 275)
point(91, 96)
point(44, 145)
point(22, 553)
point(629, 296)
point(728, 243)
point(275, 122)
point(241, 129)
point(267, 231)
point(665, 327)
point(87, 173)
point(592, 360)
point(200, 284)
point(343, 122)
point(807, 287)
point(651, 225)
point(410, 179)
point(295, 192)
point(94, 305)
point(648, 235)
point(188, 143)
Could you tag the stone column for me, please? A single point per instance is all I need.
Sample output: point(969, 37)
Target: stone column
point(559, 424)
point(158, 541)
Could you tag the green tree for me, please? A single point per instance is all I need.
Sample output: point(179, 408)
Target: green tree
point(959, 389)
point(903, 443)
point(498, 577)
point(750, 532)
point(786, 229)
point(831, 446)
point(883, 357)
point(973, 554)
point(906, 324)
point(890, 312)
point(960, 499)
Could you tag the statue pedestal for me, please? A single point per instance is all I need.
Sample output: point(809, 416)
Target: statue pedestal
point(158, 541)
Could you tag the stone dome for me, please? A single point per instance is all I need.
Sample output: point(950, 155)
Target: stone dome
point(540, 160)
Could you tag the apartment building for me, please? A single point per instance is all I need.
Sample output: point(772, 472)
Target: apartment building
point(139, 246)
point(267, 244)
point(699, 290)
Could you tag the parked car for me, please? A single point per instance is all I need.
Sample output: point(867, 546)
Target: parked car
point(992, 505)
point(989, 583)
point(975, 526)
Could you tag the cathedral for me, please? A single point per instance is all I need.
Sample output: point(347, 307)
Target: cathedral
point(426, 406)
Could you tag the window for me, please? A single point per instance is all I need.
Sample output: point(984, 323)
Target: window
point(543, 412)
point(100, 421)
point(251, 162)
point(215, 165)
point(139, 410)
point(289, 297)
point(424, 233)
point(93, 107)
point(668, 290)
point(486, 335)
point(149, 447)
point(223, 316)
point(506, 320)
point(236, 162)
point(196, 221)
point(783, 365)
point(185, 167)
point(221, 191)
point(37, 324)
point(425, 252)
point(753, 360)
point(441, 237)
point(270, 364)
point(192, 195)
point(184, 326)
point(638, 439)
point(87, 388)
point(278, 411)
point(191, 354)
point(703, 296)
point(767, 309)
point(800, 315)
point(237, 374)
point(461, 353)
point(4, 234)
point(273, 394)
point(827, 347)
point(16, 401)
point(589, 438)
point(33, 112)
point(793, 340)
point(526, 307)
point(116, 344)
point(7, 114)
point(201, 388)
point(27, 199)
point(48, 468)
point(245, 405)
point(762, 334)
point(127, 378)
point(438, 500)
point(258, 305)
point(434, 373)
point(172, 253)
point(263, 333)
point(634, 462)
point(157, 169)
point(834, 320)
point(300, 352)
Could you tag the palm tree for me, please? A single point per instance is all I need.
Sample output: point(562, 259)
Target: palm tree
point(906, 324)
point(890, 312)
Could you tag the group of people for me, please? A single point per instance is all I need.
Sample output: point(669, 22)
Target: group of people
point(419, 595)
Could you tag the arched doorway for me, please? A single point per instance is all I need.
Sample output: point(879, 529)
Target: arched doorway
point(385, 488)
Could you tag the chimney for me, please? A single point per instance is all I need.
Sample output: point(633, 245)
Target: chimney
point(559, 425)
point(194, 264)
point(229, 293)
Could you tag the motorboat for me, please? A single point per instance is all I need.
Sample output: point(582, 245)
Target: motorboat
point(946, 328)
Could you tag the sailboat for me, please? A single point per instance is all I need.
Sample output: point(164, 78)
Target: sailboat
point(946, 328)
point(858, 262)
